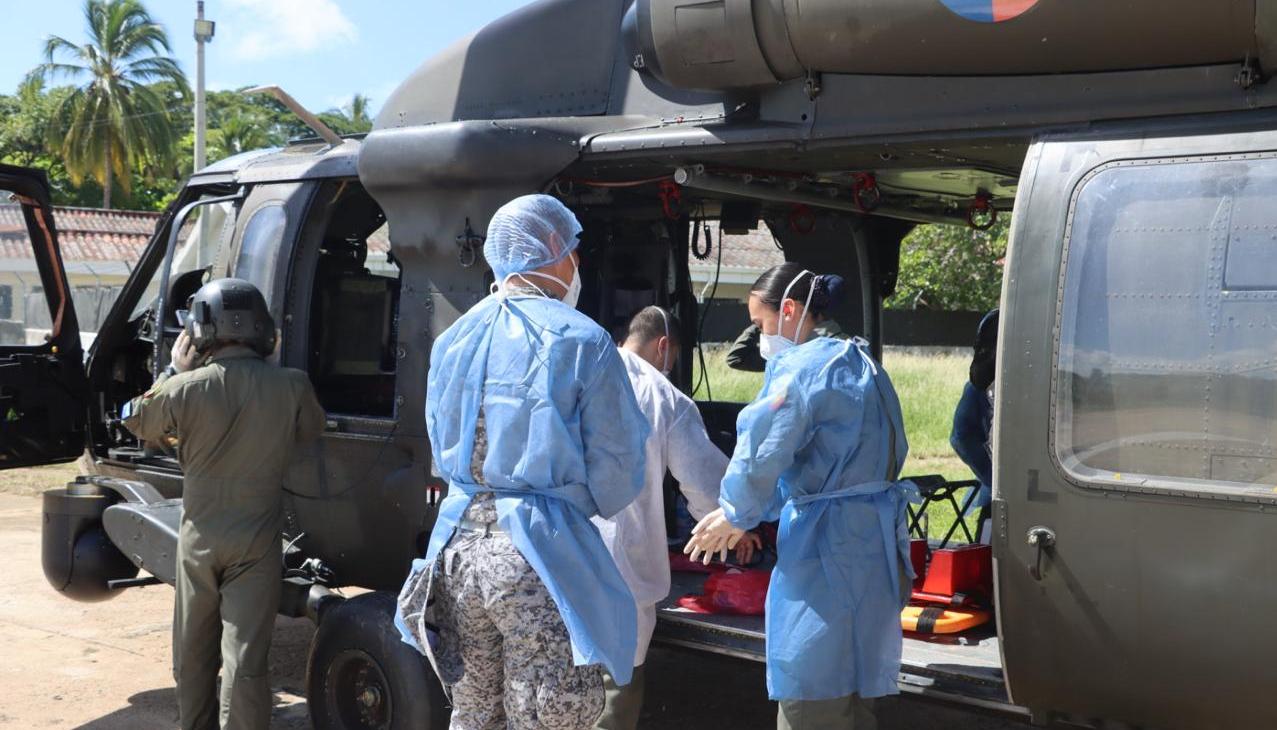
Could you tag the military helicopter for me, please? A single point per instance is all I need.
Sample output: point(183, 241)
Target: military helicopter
point(1132, 143)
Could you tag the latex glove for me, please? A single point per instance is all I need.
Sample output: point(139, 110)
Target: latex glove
point(748, 545)
point(183, 356)
point(714, 534)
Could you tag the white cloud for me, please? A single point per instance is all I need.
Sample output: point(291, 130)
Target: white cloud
point(261, 29)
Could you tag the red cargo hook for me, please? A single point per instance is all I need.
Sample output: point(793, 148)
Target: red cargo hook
point(981, 215)
point(671, 194)
point(865, 191)
point(801, 219)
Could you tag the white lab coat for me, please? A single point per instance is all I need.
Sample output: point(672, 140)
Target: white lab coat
point(678, 442)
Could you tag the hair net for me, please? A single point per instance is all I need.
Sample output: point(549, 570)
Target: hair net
point(529, 232)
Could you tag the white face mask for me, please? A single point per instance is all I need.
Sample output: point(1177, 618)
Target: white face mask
point(573, 289)
point(770, 346)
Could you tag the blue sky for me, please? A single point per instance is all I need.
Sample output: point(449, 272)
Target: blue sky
point(320, 51)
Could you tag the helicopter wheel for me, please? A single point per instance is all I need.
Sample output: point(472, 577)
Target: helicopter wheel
point(360, 675)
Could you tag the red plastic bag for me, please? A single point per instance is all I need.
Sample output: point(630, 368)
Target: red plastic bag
point(682, 564)
point(737, 592)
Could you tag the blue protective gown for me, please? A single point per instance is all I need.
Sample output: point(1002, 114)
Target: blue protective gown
point(972, 422)
point(816, 451)
point(565, 442)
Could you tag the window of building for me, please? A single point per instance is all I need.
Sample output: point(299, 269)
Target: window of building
point(1167, 355)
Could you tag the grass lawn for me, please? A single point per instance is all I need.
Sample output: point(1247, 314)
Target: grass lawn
point(929, 388)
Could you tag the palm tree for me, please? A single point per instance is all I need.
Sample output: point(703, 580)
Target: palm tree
point(357, 112)
point(240, 133)
point(115, 119)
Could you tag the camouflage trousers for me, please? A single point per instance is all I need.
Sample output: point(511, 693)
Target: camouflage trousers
point(503, 650)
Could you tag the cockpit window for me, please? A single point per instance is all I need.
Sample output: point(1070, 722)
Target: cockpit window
point(1167, 354)
point(200, 238)
point(259, 247)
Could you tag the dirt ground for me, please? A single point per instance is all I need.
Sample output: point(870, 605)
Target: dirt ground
point(99, 666)
point(107, 666)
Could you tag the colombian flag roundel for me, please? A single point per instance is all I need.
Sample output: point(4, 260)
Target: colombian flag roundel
point(990, 11)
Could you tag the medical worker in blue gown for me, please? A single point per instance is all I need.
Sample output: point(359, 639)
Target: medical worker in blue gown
point(819, 449)
point(535, 427)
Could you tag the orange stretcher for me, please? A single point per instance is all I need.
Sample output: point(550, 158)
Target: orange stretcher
point(940, 620)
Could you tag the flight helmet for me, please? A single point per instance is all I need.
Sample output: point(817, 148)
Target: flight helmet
point(230, 310)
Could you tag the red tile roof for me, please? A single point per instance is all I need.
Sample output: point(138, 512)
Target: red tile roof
point(755, 250)
point(85, 234)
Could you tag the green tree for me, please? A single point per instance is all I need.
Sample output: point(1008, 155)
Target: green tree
point(350, 119)
point(116, 120)
point(953, 268)
point(239, 134)
point(357, 112)
point(238, 122)
point(23, 121)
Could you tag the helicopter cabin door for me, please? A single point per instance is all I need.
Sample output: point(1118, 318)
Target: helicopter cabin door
point(1135, 520)
point(43, 390)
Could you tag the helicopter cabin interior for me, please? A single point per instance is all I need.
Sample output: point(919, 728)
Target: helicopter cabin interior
point(824, 222)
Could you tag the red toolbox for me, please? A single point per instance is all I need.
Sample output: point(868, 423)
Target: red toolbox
point(957, 576)
point(918, 557)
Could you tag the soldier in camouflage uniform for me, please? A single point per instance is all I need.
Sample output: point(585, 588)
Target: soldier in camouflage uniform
point(487, 591)
point(534, 425)
point(498, 625)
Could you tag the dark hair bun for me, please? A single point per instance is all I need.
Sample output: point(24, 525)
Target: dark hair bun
point(829, 292)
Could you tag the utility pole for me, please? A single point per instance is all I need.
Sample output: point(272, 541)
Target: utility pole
point(203, 34)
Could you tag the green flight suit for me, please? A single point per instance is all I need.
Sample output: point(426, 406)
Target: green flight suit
point(236, 421)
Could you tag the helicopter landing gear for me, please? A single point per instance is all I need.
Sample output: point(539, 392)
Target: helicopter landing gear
point(361, 676)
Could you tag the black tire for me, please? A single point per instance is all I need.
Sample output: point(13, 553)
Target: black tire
point(361, 675)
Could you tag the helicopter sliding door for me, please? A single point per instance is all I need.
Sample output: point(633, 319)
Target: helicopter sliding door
point(1135, 512)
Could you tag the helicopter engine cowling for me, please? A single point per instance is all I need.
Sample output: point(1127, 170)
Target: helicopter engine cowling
point(729, 44)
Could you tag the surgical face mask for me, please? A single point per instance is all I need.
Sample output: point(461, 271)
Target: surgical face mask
point(770, 346)
point(573, 289)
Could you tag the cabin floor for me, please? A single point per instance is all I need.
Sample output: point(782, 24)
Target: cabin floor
point(963, 668)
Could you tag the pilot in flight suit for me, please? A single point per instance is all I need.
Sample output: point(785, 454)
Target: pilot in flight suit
point(235, 420)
